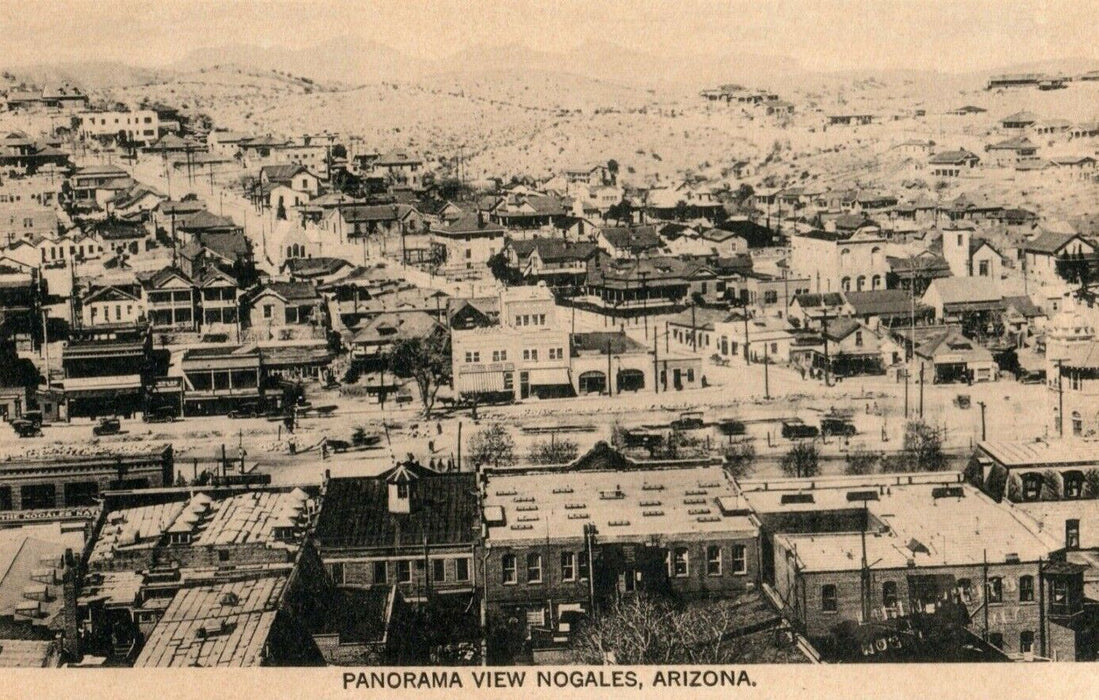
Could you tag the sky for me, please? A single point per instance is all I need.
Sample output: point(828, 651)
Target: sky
point(950, 35)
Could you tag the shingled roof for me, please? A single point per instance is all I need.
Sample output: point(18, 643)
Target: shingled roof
point(355, 512)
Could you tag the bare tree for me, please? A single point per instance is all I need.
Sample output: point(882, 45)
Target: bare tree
point(492, 446)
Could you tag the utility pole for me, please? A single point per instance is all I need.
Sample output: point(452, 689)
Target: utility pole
point(864, 577)
point(921, 390)
point(982, 405)
point(766, 378)
point(656, 365)
point(827, 362)
point(747, 355)
point(694, 333)
point(1060, 401)
point(906, 393)
point(610, 391)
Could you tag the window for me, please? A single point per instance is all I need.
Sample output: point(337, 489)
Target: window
point(534, 568)
point(681, 562)
point(404, 571)
point(1026, 589)
point(713, 561)
point(473, 356)
point(858, 339)
point(461, 569)
point(889, 595)
point(438, 570)
point(740, 559)
point(828, 601)
point(982, 268)
point(1026, 642)
point(583, 567)
point(996, 639)
point(965, 589)
point(268, 310)
point(995, 590)
point(402, 490)
point(1077, 424)
point(568, 566)
point(690, 374)
point(337, 573)
point(499, 355)
point(1072, 533)
point(541, 319)
point(770, 296)
point(380, 572)
point(223, 555)
point(507, 565)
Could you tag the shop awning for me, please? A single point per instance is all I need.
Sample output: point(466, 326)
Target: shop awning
point(556, 376)
point(479, 382)
point(87, 387)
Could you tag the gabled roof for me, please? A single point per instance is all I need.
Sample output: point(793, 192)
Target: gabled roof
point(557, 250)
point(398, 157)
point(1050, 242)
point(397, 326)
point(952, 157)
point(638, 238)
point(471, 223)
point(211, 275)
point(1017, 143)
point(965, 290)
point(109, 294)
point(315, 267)
point(364, 213)
point(811, 301)
point(282, 172)
point(164, 275)
point(289, 291)
point(203, 219)
point(1020, 118)
point(597, 341)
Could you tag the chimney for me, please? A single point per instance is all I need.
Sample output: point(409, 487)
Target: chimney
point(480, 219)
point(70, 636)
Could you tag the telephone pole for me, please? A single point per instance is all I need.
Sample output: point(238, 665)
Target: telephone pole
point(982, 405)
point(766, 378)
point(921, 390)
point(656, 364)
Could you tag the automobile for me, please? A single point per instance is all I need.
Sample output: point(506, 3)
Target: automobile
point(731, 426)
point(1034, 377)
point(642, 437)
point(837, 425)
point(339, 445)
point(962, 401)
point(689, 420)
point(797, 428)
point(107, 426)
point(25, 428)
point(245, 411)
point(34, 417)
point(163, 414)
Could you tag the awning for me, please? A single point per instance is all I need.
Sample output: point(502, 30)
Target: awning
point(556, 376)
point(87, 387)
point(479, 382)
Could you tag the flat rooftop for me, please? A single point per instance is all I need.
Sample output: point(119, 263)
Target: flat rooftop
point(622, 505)
point(1018, 453)
point(912, 523)
point(224, 625)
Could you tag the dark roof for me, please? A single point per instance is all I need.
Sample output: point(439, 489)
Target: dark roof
point(291, 291)
point(471, 223)
point(638, 238)
point(880, 302)
point(555, 249)
point(596, 341)
point(1048, 242)
point(355, 512)
point(841, 328)
point(315, 267)
point(203, 219)
point(231, 245)
point(757, 235)
point(282, 172)
point(374, 212)
point(807, 301)
point(952, 157)
point(1024, 306)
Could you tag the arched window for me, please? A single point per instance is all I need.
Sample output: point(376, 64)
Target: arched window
point(1077, 424)
point(875, 282)
point(845, 257)
point(875, 256)
point(845, 284)
point(860, 283)
point(289, 251)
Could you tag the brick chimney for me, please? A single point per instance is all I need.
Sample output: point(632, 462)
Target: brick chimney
point(70, 639)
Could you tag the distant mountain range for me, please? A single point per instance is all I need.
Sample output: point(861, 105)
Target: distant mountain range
point(350, 60)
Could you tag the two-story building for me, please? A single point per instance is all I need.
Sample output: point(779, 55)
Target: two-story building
point(834, 262)
point(170, 300)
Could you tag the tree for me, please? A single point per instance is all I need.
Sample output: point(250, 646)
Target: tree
point(427, 361)
point(923, 447)
point(681, 210)
point(492, 446)
point(646, 629)
point(802, 460)
point(861, 461)
point(612, 166)
point(621, 212)
point(15, 370)
point(554, 451)
point(738, 459)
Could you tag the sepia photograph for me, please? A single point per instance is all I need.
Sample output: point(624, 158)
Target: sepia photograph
point(548, 347)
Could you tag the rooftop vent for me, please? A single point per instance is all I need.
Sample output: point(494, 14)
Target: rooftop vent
point(862, 495)
point(510, 492)
point(797, 498)
point(693, 501)
point(522, 526)
point(526, 508)
point(709, 518)
point(696, 493)
point(578, 516)
point(575, 506)
point(563, 489)
point(652, 487)
point(619, 523)
point(698, 511)
point(645, 504)
point(230, 598)
point(710, 485)
point(1011, 558)
point(611, 495)
point(651, 513)
point(523, 499)
point(948, 492)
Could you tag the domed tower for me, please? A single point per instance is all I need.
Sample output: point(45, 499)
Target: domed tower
point(1064, 332)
